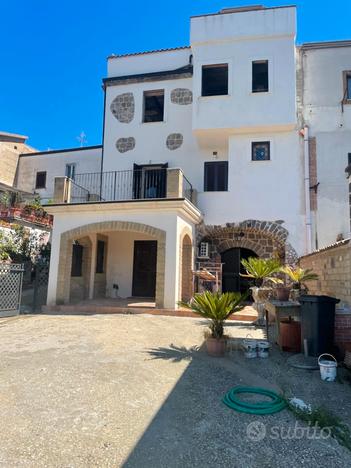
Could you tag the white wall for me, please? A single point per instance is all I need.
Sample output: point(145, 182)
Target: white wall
point(322, 94)
point(54, 163)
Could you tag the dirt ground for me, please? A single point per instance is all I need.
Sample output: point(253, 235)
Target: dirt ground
point(137, 391)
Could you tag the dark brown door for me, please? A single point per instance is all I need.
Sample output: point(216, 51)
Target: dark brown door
point(232, 267)
point(144, 268)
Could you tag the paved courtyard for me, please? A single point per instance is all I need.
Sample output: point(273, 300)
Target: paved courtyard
point(125, 390)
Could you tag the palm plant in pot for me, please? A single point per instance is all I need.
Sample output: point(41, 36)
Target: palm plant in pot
point(217, 308)
point(299, 277)
point(261, 271)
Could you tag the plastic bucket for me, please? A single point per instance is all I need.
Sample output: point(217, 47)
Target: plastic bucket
point(250, 347)
point(327, 368)
point(263, 349)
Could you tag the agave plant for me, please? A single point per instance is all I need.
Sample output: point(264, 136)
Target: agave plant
point(299, 276)
point(261, 269)
point(216, 307)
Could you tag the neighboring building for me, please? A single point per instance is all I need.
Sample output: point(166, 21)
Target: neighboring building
point(37, 170)
point(325, 90)
point(11, 145)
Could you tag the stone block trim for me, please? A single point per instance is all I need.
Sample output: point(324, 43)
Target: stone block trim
point(125, 144)
point(123, 106)
point(174, 141)
point(64, 268)
point(181, 96)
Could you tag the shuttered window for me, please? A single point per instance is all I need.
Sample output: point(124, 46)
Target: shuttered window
point(216, 176)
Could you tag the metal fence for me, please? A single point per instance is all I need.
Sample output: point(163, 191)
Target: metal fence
point(11, 277)
point(139, 184)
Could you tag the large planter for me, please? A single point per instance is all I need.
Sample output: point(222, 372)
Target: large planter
point(290, 336)
point(283, 293)
point(216, 347)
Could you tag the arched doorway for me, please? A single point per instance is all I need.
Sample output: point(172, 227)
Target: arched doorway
point(232, 267)
point(186, 270)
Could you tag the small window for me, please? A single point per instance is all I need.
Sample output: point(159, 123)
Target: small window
point(77, 260)
point(216, 176)
point(40, 180)
point(100, 256)
point(261, 151)
point(203, 250)
point(347, 86)
point(154, 106)
point(70, 171)
point(260, 76)
point(215, 80)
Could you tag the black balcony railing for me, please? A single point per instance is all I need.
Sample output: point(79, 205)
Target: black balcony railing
point(140, 184)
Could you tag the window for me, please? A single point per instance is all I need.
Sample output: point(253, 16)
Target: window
point(261, 151)
point(260, 76)
point(347, 86)
point(77, 260)
point(154, 106)
point(216, 176)
point(40, 180)
point(70, 171)
point(215, 80)
point(203, 250)
point(100, 256)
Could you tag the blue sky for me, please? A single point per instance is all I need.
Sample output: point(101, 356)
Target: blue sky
point(53, 54)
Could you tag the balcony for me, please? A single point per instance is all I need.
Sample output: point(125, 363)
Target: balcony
point(142, 184)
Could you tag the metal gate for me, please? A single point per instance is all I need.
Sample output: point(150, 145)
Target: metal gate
point(11, 277)
point(41, 280)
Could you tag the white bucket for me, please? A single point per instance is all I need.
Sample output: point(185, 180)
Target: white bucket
point(327, 368)
point(263, 349)
point(250, 347)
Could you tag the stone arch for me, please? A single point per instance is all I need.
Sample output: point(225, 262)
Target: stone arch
point(66, 242)
point(186, 265)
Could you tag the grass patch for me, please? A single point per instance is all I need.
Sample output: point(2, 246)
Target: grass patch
point(322, 418)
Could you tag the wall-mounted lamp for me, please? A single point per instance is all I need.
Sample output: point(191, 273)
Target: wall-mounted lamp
point(215, 155)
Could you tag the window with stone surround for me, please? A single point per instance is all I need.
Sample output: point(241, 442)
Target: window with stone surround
point(260, 76)
point(260, 151)
point(215, 80)
point(216, 176)
point(40, 180)
point(347, 87)
point(154, 106)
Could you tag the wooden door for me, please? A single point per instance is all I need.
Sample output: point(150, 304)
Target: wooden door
point(144, 268)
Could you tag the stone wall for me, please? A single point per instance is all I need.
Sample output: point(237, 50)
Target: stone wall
point(125, 144)
point(122, 107)
point(182, 96)
point(79, 285)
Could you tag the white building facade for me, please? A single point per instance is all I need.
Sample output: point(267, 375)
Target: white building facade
point(203, 160)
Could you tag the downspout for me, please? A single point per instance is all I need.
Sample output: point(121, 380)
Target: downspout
point(308, 219)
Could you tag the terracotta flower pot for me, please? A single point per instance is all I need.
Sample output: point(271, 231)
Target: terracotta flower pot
point(283, 293)
point(216, 347)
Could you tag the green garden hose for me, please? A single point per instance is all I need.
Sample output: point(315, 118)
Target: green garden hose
point(276, 404)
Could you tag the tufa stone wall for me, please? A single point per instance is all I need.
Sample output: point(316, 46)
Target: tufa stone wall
point(125, 144)
point(174, 141)
point(333, 266)
point(182, 96)
point(122, 107)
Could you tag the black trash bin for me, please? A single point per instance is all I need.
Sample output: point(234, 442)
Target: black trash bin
point(317, 323)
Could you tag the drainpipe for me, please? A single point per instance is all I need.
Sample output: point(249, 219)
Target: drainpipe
point(308, 221)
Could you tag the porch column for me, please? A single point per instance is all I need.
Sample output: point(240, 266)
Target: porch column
point(93, 239)
point(171, 278)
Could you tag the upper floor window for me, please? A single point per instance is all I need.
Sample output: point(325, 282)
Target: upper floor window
point(347, 86)
point(260, 151)
point(260, 76)
point(215, 79)
point(154, 105)
point(70, 171)
point(40, 180)
point(216, 176)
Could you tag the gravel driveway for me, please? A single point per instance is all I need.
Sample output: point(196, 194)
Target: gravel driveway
point(125, 390)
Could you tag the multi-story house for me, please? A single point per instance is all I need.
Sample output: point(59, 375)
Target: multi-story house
point(202, 157)
point(231, 147)
point(324, 92)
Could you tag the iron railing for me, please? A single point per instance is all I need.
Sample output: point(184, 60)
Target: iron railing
point(139, 184)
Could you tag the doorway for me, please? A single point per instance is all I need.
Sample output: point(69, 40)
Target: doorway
point(232, 267)
point(144, 268)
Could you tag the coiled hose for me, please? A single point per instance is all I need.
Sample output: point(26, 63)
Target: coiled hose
point(276, 404)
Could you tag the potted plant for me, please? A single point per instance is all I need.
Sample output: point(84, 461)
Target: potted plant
point(299, 277)
point(261, 271)
point(216, 307)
